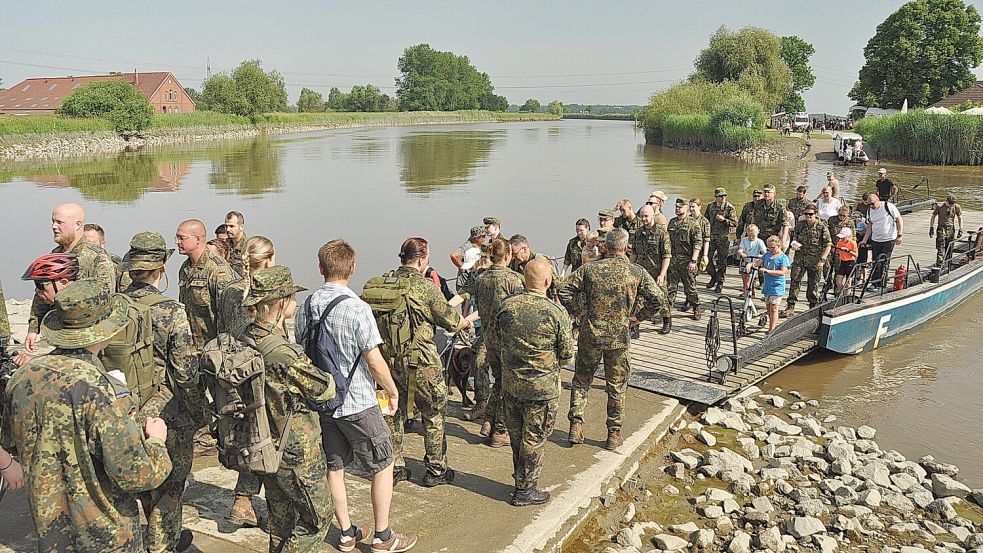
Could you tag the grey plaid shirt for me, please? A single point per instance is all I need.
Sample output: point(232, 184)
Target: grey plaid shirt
point(352, 329)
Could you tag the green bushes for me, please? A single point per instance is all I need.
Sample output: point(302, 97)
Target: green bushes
point(698, 131)
point(116, 100)
point(926, 138)
point(703, 115)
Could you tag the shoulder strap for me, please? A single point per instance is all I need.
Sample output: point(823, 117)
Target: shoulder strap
point(151, 300)
point(324, 314)
point(270, 342)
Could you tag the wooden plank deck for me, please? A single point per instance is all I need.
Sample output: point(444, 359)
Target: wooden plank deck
point(675, 364)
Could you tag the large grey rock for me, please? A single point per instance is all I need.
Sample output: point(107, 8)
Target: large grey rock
point(730, 506)
point(629, 514)
point(898, 502)
point(669, 542)
point(870, 497)
point(801, 527)
point(774, 474)
point(762, 504)
point(777, 401)
point(702, 538)
point(626, 536)
point(839, 450)
point(920, 497)
point(688, 460)
point(724, 419)
point(774, 424)
point(940, 509)
point(961, 534)
point(707, 438)
point(771, 539)
point(844, 496)
point(977, 497)
point(874, 472)
point(867, 446)
point(841, 466)
point(685, 528)
point(938, 468)
point(750, 449)
point(810, 427)
point(865, 432)
point(817, 464)
point(904, 481)
point(734, 405)
point(826, 544)
point(946, 486)
point(741, 543)
point(717, 495)
point(711, 511)
point(909, 467)
point(848, 432)
point(726, 460)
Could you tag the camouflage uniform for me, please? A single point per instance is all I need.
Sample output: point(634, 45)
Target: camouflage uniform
point(686, 238)
point(536, 340)
point(238, 257)
point(631, 227)
point(651, 246)
point(744, 220)
point(835, 224)
point(719, 239)
point(427, 308)
point(770, 219)
point(814, 239)
point(232, 316)
point(574, 254)
point(797, 207)
point(481, 370)
point(493, 286)
point(614, 288)
point(201, 285)
point(945, 231)
point(520, 266)
point(76, 428)
point(94, 262)
point(4, 322)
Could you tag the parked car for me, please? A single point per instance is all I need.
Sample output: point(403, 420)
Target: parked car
point(849, 148)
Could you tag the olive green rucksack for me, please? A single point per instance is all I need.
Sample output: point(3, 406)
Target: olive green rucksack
point(131, 351)
point(387, 295)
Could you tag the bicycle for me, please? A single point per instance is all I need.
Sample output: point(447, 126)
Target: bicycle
point(748, 310)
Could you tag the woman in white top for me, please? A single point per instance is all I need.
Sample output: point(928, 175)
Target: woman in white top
point(828, 205)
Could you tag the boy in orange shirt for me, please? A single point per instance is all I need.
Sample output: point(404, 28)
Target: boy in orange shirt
point(846, 248)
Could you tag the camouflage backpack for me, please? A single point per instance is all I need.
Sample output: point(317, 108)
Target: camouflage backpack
point(387, 295)
point(131, 351)
point(236, 378)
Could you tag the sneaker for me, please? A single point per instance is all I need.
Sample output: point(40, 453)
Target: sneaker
point(576, 434)
point(486, 429)
point(614, 439)
point(499, 439)
point(532, 496)
point(242, 513)
point(348, 543)
point(401, 474)
point(431, 480)
point(395, 543)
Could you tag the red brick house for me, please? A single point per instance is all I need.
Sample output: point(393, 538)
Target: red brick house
point(45, 94)
point(972, 94)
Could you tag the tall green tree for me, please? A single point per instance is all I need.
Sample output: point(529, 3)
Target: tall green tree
point(310, 101)
point(751, 57)
point(796, 52)
point(114, 99)
point(441, 81)
point(336, 99)
point(364, 98)
point(923, 52)
point(532, 105)
point(555, 108)
point(193, 94)
point(247, 91)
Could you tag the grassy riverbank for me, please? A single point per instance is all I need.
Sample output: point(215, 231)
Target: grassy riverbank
point(926, 138)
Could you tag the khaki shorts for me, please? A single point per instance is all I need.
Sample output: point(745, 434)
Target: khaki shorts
point(773, 300)
point(364, 434)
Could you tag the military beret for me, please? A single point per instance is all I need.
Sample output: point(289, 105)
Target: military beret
point(491, 221)
point(605, 214)
point(720, 191)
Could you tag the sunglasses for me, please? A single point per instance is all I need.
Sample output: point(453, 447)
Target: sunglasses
point(649, 203)
point(809, 214)
point(40, 284)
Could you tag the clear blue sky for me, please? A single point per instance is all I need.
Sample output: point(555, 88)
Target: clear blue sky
point(575, 51)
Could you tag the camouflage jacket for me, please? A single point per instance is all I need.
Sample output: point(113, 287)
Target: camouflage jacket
point(232, 316)
point(835, 224)
point(721, 229)
point(814, 239)
point(704, 227)
point(94, 262)
point(494, 285)
point(797, 207)
point(123, 279)
point(631, 227)
point(202, 283)
point(291, 379)
point(770, 219)
point(745, 219)
point(574, 254)
point(428, 308)
point(84, 453)
point(536, 339)
point(520, 266)
point(613, 288)
point(651, 246)
point(238, 257)
point(686, 238)
point(4, 321)
point(181, 401)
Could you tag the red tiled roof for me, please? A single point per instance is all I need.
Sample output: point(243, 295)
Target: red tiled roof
point(47, 93)
point(974, 93)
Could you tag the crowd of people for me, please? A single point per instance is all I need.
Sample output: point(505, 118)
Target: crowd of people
point(107, 420)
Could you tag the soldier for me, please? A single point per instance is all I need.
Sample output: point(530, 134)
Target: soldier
point(427, 309)
point(797, 205)
point(627, 220)
point(97, 235)
point(493, 227)
point(811, 258)
point(835, 224)
point(84, 448)
point(180, 401)
point(237, 240)
point(536, 340)
point(613, 289)
point(605, 221)
point(652, 250)
point(297, 496)
point(657, 199)
point(573, 257)
point(686, 239)
point(695, 212)
point(202, 279)
point(948, 215)
point(721, 215)
point(67, 224)
point(745, 219)
point(521, 254)
point(769, 215)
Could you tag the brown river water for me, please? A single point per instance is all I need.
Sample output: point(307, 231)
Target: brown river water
point(375, 187)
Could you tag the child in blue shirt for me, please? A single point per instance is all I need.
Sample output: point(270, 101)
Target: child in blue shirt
point(750, 249)
point(774, 266)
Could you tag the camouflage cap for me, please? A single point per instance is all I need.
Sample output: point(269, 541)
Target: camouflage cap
point(681, 201)
point(148, 251)
point(769, 188)
point(84, 314)
point(491, 221)
point(719, 191)
point(605, 214)
point(755, 192)
point(476, 232)
point(485, 250)
point(271, 284)
point(951, 199)
point(659, 194)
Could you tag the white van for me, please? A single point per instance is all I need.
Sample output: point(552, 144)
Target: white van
point(801, 121)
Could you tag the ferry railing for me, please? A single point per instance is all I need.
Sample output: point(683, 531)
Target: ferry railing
point(727, 363)
point(861, 275)
point(956, 259)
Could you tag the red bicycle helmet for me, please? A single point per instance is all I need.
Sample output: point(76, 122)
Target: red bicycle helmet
point(54, 266)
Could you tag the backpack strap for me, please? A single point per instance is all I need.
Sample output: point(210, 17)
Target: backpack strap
point(324, 315)
point(151, 300)
point(269, 343)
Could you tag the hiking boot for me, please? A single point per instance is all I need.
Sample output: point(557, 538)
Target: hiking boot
point(666, 325)
point(184, 541)
point(348, 543)
point(685, 306)
point(532, 496)
point(395, 543)
point(720, 288)
point(788, 312)
point(401, 474)
point(635, 330)
point(614, 439)
point(431, 480)
point(486, 429)
point(498, 439)
point(711, 284)
point(697, 312)
point(242, 513)
point(576, 434)
point(477, 412)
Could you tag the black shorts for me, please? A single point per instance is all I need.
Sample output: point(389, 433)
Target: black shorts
point(364, 434)
point(845, 268)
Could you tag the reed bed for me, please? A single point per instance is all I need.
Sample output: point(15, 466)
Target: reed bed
point(925, 138)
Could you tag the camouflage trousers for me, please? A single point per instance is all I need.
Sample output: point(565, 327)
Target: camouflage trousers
point(944, 236)
point(679, 275)
point(665, 310)
point(813, 281)
point(430, 400)
point(530, 424)
point(248, 484)
point(162, 506)
point(617, 367)
point(299, 503)
point(719, 250)
point(495, 412)
point(482, 375)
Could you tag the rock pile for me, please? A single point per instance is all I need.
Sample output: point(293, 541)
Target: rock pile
point(789, 482)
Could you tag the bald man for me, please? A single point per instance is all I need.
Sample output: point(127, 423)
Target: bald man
point(535, 340)
point(67, 225)
point(202, 279)
point(653, 250)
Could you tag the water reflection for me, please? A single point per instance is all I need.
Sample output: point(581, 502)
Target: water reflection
point(250, 169)
point(434, 160)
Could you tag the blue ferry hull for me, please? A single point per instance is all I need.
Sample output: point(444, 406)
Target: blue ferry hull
point(874, 323)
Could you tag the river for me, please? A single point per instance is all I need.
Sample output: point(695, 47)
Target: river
point(375, 187)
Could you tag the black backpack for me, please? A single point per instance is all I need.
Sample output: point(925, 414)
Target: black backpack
point(317, 344)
